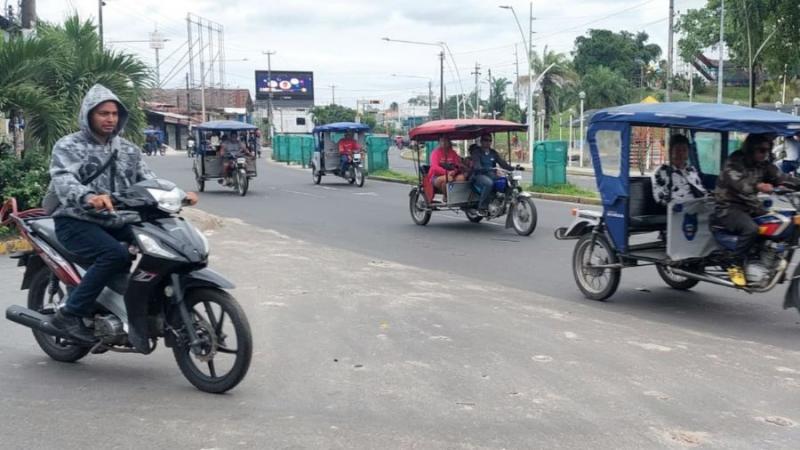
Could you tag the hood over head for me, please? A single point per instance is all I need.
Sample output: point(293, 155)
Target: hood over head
point(99, 94)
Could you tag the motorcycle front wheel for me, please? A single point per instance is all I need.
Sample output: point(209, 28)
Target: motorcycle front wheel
point(226, 342)
point(242, 183)
point(524, 216)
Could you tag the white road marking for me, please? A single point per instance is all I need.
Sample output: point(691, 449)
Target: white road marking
point(302, 193)
point(372, 194)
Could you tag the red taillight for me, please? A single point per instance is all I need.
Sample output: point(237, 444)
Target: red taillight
point(769, 229)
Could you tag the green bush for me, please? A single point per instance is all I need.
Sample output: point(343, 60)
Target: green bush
point(25, 179)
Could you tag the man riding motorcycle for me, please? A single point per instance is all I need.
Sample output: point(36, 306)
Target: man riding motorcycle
point(747, 172)
point(485, 160)
point(232, 149)
point(347, 146)
point(86, 167)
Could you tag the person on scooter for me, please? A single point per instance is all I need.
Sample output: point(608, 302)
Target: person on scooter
point(485, 160)
point(747, 172)
point(231, 149)
point(86, 167)
point(445, 165)
point(347, 146)
point(677, 180)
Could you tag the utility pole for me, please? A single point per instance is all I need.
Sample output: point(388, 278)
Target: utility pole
point(670, 49)
point(441, 85)
point(430, 98)
point(269, 54)
point(720, 69)
point(333, 95)
point(190, 44)
point(28, 14)
point(100, 4)
point(491, 94)
point(188, 99)
point(157, 43)
point(477, 74)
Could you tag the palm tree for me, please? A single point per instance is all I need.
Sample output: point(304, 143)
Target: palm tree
point(555, 81)
point(24, 63)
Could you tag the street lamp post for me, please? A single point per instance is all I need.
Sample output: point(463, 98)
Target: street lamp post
point(269, 54)
point(529, 46)
point(582, 96)
point(571, 135)
point(442, 45)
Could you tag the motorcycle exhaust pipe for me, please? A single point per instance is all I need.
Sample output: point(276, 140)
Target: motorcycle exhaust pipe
point(34, 320)
point(706, 278)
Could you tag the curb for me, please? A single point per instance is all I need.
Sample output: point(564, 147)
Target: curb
point(389, 180)
point(14, 245)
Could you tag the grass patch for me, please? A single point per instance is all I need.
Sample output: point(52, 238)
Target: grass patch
point(562, 189)
point(7, 232)
point(408, 178)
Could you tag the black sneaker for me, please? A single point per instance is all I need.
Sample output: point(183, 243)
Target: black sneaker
point(483, 212)
point(74, 326)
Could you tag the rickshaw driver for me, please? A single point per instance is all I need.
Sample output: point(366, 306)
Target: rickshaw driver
point(347, 146)
point(484, 161)
point(747, 172)
point(445, 165)
point(677, 180)
point(231, 149)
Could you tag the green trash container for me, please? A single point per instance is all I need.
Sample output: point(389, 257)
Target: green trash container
point(549, 163)
point(377, 153)
point(277, 141)
point(306, 149)
point(295, 149)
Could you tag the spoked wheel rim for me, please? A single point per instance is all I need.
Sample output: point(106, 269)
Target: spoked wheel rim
point(594, 280)
point(50, 304)
point(220, 348)
point(523, 216)
point(359, 177)
point(418, 205)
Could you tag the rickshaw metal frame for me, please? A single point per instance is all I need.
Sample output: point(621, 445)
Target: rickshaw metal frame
point(200, 150)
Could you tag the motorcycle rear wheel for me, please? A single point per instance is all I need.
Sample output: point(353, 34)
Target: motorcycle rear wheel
point(209, 309)
point(38, 301)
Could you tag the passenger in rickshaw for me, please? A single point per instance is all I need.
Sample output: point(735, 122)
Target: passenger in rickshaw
point(485, 160)
point(347, 146)
point(677, 180)
point(231, 149)
point(445, 165)
point(747, 172)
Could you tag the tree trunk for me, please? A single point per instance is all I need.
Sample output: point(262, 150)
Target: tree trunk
point(752, 85)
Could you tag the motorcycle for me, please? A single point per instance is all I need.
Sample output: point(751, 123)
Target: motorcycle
point(237, 177)
point(169, 294)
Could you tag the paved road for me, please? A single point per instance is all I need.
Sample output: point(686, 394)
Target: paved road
point(372, 332)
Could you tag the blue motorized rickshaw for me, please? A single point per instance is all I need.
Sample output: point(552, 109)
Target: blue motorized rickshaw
point(678, 239)
point(154, 142)
point(210, 158)
point(326, 158)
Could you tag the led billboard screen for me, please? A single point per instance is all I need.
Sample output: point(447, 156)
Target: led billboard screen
point(285, 85)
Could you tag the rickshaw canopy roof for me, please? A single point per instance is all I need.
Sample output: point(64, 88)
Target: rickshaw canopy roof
point(341, 127)
point(462, 128)
point(708, 116)
point(225, 125)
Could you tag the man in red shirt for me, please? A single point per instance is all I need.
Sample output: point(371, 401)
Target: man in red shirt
point(347, 146)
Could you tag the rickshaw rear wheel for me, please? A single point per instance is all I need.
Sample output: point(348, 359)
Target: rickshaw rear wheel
point(416, 201)
point(595, 283)
point(675, 281)
point(315, 174)
point(473, 216)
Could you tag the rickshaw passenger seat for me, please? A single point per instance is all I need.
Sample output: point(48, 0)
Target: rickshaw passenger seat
point(643, 211)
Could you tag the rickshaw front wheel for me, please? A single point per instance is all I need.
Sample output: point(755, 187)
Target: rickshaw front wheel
point(416, 206)
point(596, 283)
point(315, 174)
point(674, 280)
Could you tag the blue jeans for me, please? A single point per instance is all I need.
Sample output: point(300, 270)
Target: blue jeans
point(485, 185)
point(91, 241)
point(344, 161)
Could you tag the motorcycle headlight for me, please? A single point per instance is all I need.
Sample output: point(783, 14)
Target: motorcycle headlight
point(168, 201)
point(517, 176)
point(152, 247)
point(241, 161)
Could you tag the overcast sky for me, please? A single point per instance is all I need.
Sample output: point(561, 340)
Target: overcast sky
point(340, 40)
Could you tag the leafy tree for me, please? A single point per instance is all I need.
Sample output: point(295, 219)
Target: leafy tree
point(497, 96)
point(623, 52)
point(332, 113)
point(749, 25)
point(605, 87)
point(513, 112)
point(553, 84)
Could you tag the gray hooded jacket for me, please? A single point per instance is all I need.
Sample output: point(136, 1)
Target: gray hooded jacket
point(78, 156)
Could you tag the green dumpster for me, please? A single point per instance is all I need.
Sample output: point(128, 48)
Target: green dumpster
point(549, 163)
point(306, 149)
point(377, 152)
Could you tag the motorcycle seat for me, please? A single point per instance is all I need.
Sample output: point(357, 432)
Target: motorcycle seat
point(46, 229)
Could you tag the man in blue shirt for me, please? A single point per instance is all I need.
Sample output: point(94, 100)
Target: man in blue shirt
point(485, 160)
